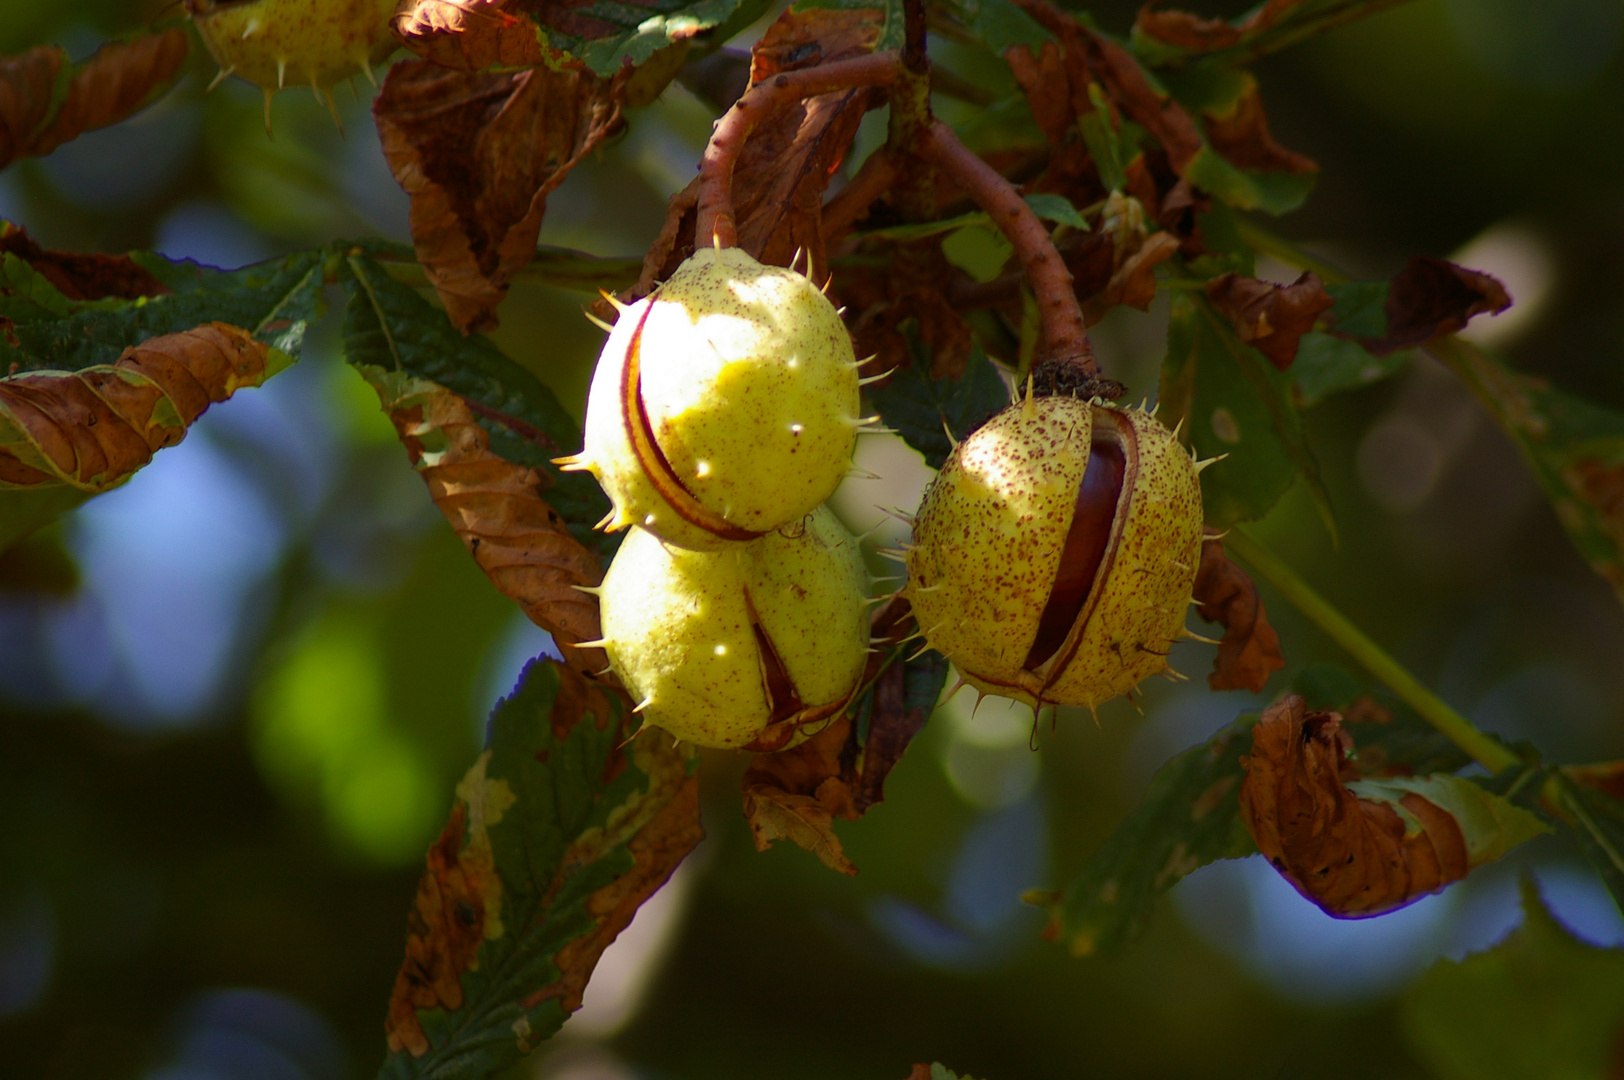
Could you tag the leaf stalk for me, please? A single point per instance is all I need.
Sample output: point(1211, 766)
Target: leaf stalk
point(1484, 748)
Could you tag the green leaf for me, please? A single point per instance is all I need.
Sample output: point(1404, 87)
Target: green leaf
point(1541, 1005)
point(1000, 25)
point(891, 23)
point(1328, 365)
point(274, 300)
point(559, 831)
point(1575, 448)
point(1189, 818)
point(1232, 402)
point(638, 30)
point(938, 1071)
point(1248, 189)
point(1597, 820)
point(924, 410)
point(389, 327)
point(1049, 207)
point(560, 267)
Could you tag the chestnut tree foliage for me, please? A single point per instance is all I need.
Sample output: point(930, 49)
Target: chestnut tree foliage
point(1121, 166)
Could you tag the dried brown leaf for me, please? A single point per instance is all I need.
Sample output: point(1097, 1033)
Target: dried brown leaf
point(1225, 594)
point(878, 334)
point(1353, 857)
point(1197, 34)
point(478, 153)
point(121, 78)
point(91, 429)
point(82, 275)
point(1606, 777)
point(499, 511)
point(1271, 318)
point(1430, 297)
point(1241, 134)
point(775, 814)
point(785, 167)
point(471, 35)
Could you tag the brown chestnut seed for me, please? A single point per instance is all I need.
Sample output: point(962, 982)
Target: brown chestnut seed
point(1054, 553)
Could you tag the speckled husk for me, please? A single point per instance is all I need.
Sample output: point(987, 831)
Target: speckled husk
point(295, 42)
point(680, 629)
point(748, 392)
point(992, 528)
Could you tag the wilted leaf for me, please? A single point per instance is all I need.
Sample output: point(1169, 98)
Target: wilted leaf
point(785, 167)
point(45, 101)
point(389, 327)
point(95, 384)
point(80, 275)
point(1539, 1005)
point(497, 500)
point(1176, 37)
point(1576, 449)
point(559, 831)
point(1428, 298)
point(1232, 402)
point(1188, 818)
point(1364, 847)
point(935, 1071)
point(1387, 742)
point(840, 772)
point(478, 153)
point(476, 35)
point(1225, 594)
point(1271, 318)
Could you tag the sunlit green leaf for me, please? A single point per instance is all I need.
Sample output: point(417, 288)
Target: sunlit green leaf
point(559, 831)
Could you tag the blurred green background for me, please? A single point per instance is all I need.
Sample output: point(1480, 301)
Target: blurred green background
point(231, 722)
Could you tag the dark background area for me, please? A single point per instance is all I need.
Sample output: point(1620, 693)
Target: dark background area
point(230, 725)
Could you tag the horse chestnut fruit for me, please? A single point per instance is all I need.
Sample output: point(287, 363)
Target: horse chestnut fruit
point(743, 646)
point(316, 42)
point(1054, 553)
point(724, 405)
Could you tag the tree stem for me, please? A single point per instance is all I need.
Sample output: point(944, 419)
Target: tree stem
point(1459, 730)
point(715, 222)
point(1064, 336)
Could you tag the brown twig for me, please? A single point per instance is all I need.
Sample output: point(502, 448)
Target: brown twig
point(1064, 336)
point(715, 220)
point(842, 212)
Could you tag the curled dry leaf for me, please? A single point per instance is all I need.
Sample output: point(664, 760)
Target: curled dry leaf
point(478, 153)
point(1225, 594)
point(879, 338)
point(91, 429)
point(796, 794)
point(1271, 318)
point(82, 275)
point(1196, 34)
point(498, 509)
point(1363, 847)
point(786, 166)
point(37, 115)
point(471, 35)
point(1241, 134)
point(1430, 297)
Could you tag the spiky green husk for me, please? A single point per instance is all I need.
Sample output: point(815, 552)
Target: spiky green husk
point(678, 626)
point(749, 386)
point(990, 534)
